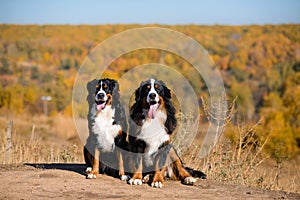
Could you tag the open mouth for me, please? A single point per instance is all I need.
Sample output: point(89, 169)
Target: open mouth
point(153, 109)
point(100, 105)
point(152, 102)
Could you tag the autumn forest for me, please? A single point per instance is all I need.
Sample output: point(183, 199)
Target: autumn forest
point(260, 65)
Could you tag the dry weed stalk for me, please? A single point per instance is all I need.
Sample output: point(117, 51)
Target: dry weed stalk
point(241, 161)
point(218, 116)
point(16, 148)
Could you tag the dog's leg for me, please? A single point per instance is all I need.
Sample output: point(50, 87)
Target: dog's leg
point(158, 179)
point(137, 175)
point(96, 163)
point(180, 172)
point(88, 159)
point(122, 175)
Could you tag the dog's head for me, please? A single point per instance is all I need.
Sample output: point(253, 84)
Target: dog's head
point(106, 89)
point(152, 93)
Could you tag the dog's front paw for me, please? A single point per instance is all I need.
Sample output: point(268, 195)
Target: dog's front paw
point(146, 178)
point(124, 177)
point(157, 184)
point(92, 174)
point(189, 181)
point(135, 182)
point(158, 180)
point(88, 170)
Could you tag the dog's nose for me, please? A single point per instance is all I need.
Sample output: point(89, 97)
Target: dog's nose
point(100, 96)
point(152, 95)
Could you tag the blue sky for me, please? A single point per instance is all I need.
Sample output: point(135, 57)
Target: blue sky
point(224, 12)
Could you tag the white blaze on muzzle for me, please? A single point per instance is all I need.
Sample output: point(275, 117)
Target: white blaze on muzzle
point(152, 101)
point(152, 91)
point(102, 97)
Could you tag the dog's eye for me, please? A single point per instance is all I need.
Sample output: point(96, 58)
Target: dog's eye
point(104, 86)
point(97, 86)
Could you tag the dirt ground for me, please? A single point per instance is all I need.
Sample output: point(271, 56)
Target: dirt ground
point(67, 181)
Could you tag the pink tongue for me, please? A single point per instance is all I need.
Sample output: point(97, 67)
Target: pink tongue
point(100, 106)
point(152, 111)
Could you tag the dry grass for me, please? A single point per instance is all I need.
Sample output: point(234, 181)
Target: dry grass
point(244, 164)
point(243, 161)
point(39, 139)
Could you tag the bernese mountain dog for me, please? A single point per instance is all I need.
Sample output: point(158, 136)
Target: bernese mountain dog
point(107, 127)
point(152, 122)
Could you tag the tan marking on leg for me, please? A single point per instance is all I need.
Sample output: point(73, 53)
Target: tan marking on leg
point(158, 179)
point(121, 163)
point(159, 176)
point(137, 176)
point(88, 156)
point(138, 173)
point(96, 164)
point(179, 171)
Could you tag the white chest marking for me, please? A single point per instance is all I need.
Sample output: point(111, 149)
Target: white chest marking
point(104, 129)
point(153, 132)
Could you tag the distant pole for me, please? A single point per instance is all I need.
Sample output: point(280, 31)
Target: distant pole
point(9, 141)
point(45, 100)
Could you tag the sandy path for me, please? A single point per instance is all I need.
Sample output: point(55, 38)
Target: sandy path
point(66, 181)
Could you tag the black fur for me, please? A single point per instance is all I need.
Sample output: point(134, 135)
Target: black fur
point(138, 113)
point(120, 119)
point(165, 153)
point(171, 121)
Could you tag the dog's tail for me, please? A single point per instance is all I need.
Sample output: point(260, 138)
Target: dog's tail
point(192, 172)
point(195, 173)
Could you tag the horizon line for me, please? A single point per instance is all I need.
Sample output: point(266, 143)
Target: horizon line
point(146, 24)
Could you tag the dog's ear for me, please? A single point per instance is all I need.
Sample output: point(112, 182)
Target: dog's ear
point(91, 86)
point(115, 85)
point(115, 91)
point(138, 94)
point(167, 93)
point(171, 121)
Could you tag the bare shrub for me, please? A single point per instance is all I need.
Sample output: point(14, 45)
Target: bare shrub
point(241, 160)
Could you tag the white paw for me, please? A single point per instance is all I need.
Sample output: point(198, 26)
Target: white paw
point(88, 170)
point(91, 176)
point(189, 180)
point(146, 178)
point(124, 177)
point(157, 184)
point(135, 182)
